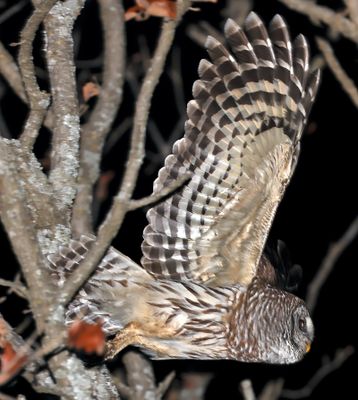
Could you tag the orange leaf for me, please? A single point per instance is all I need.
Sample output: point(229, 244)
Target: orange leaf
point(86, 337)
point(155, 8)
point(133, 13)
point(11, 363)
point(162, 8)
point(89, 90)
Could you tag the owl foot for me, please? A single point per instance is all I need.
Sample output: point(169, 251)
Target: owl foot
point(137, 335)
point(122, 339)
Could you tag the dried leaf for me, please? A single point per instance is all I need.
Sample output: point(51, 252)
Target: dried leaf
point(89, 90)
point(151, 8)
point(85, 337)
point(11, 362)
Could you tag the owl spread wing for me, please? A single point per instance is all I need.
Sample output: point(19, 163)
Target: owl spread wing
point(240, 148)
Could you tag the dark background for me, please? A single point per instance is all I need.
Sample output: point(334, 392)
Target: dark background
point(318, 206)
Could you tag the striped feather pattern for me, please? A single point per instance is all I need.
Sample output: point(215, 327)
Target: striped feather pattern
point(104, 296)
point(240, 146)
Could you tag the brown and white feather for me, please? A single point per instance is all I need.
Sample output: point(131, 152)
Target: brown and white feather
point(240, 147)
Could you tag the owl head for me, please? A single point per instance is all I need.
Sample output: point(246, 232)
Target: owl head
point(280, 329)
point(290, 337)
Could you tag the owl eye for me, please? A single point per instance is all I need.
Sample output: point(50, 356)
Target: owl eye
point(302, 325)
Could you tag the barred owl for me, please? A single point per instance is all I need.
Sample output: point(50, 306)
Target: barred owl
point(206, 288)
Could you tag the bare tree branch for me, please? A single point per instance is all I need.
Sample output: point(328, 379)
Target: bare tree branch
point(18, 223)
point(154, 197)
point(199, 33)
point(115, 216)
point(335, 21)
point(247, 390)
point(65, 141)
point(341, 76)
point(272, 390)
point(352, 6)
point(94, 132)
point(10, 71)
point(38, 100)
point(19, 5)
point(237, 10)
point(141, 380)
point(151, 79)
point(334, 252)
point(16, 287)
point(327, 368)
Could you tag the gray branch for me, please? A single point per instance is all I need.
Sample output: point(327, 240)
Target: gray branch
point(141, 380)
point(17, 221)
point(66, 131)
point(317, 13)
point(334, 65)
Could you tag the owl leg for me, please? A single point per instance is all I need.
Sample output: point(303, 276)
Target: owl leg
point(134, 334)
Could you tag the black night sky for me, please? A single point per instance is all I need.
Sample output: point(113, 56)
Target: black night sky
point(319, 204)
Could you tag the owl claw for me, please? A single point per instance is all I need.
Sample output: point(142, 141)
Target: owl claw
point(118, 343)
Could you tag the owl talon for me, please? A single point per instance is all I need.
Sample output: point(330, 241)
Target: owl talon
point(122, 339)
point(110, 351)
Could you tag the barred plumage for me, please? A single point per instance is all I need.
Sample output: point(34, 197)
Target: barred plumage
point(240, 146)
point(206, 289)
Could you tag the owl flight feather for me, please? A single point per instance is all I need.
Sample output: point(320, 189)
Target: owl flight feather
point(205, 289)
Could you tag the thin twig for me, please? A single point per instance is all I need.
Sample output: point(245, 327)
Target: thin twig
point(38, 100)
point(151, 79)
point(272, 390)
point(155, 197)
point(199, 33)
point(327, 368)
point(247, 390)
point(335, 21)
point(16, 287)
point(10, 71)
point(115, 216)
point(352, 6)
point(341, 76)
point(94, 132)
point(334, 252)
point(164, 384)
point(14, 9)
point(237, 10)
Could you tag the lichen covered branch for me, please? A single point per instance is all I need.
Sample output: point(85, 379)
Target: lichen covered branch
point(65, 141)
point(38, 100)
point(17, 221)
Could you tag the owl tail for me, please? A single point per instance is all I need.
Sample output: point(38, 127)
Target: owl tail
point(107, 297)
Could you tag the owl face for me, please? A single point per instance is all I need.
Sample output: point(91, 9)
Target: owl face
point(292, 336)
point(278, 329)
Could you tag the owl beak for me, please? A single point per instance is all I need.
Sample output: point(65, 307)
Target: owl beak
point(308, 347)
